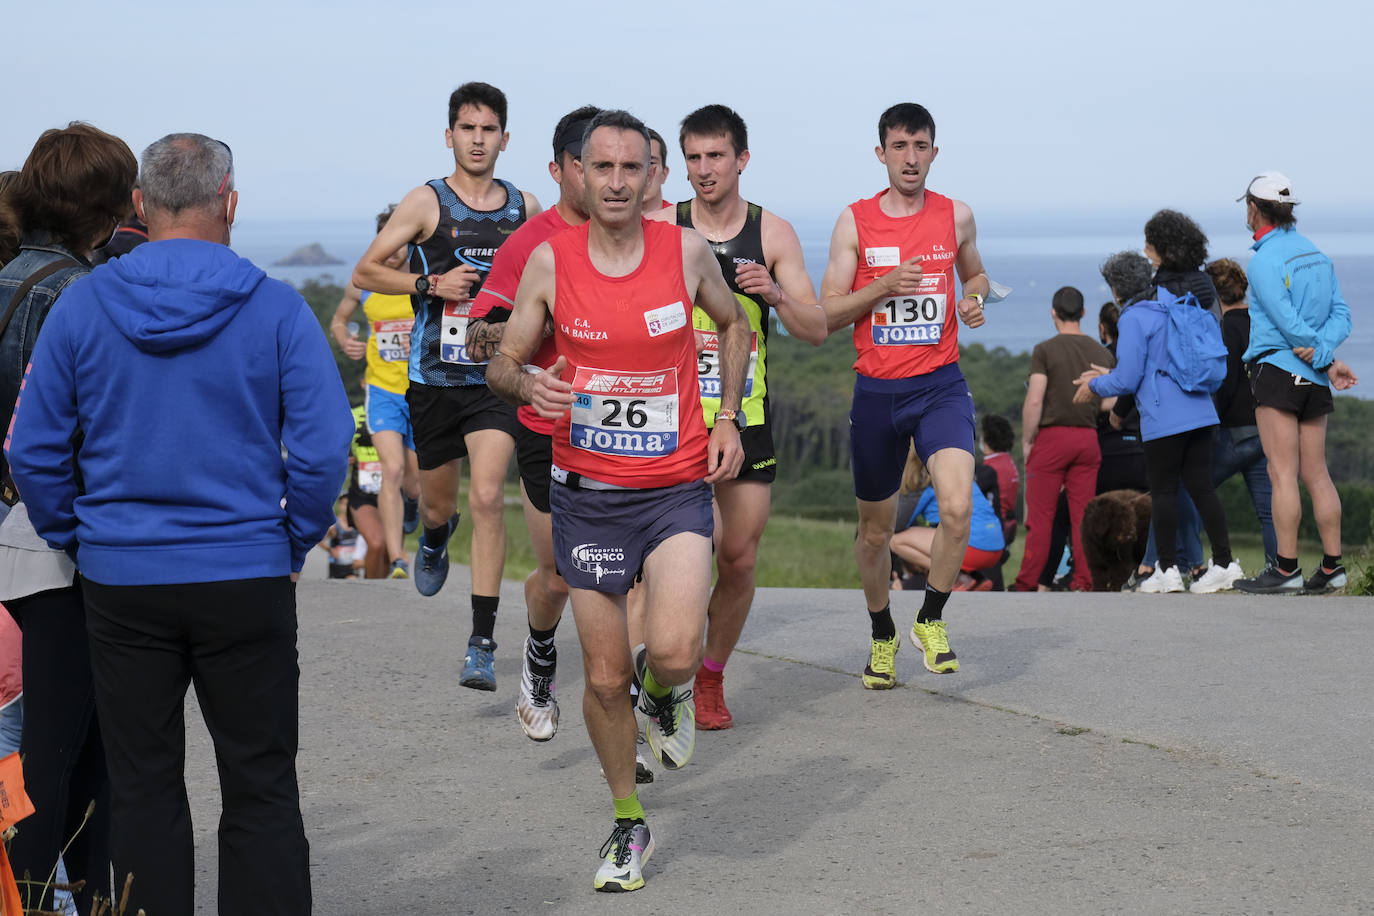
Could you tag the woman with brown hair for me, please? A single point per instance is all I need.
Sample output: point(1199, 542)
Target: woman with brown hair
point(67, 201)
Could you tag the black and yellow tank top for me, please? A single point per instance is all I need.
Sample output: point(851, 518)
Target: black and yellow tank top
point(744, 248)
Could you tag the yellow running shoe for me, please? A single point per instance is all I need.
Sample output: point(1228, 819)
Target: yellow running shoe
point(881, 673)
point(930, 638)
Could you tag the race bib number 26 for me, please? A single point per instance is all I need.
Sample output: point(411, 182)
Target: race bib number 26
point(621, 413)
point(917, 319)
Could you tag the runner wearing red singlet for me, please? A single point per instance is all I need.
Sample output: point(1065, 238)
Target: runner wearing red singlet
point(545, 591)
point(632, 459)
point(893, 260)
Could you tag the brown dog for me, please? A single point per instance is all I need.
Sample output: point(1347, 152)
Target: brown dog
point(1116, 526)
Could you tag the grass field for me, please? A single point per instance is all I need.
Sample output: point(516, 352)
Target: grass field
point(806, 553)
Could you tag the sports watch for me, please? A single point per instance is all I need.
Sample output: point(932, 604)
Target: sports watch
point(741, 422)
point(423, 283)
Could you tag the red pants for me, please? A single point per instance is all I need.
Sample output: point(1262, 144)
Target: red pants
point(1063, 457)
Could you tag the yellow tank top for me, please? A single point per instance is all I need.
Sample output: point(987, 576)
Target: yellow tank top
point(390, 319)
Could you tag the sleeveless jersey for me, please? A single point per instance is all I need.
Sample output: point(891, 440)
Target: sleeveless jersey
point(632, 363)
point(367, 464)
point(390, 321)
point(745, 248)
point(906, 336)
point(438, 351)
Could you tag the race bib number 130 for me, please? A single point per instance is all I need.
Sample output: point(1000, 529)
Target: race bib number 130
point(918, 319)
point(621, 413)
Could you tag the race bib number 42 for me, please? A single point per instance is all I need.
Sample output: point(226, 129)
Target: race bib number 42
point(634, 415)
point(917, 319)
point(453, 333)
point(708, 364)
point(393, 338)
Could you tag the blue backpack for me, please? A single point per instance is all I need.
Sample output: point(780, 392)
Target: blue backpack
point(1192, 338)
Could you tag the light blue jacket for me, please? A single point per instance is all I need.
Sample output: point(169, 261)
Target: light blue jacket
point(1141, 354)
point(985, 528)
point(1295, 301)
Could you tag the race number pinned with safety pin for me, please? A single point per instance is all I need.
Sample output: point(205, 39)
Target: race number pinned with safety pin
point(708, 364)
point(370, 477)
point(393, 338)
point(917, 319)
point(632, 414)
point(453, 332)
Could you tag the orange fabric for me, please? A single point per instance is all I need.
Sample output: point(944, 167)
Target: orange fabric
point(14, 807)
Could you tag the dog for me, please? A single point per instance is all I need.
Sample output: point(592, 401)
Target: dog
point(1116, 527)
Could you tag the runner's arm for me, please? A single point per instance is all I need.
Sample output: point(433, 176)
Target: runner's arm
point(351, 346)
point(548, 394)
point(969, 264)
point(843, 305)
point(414, 220)
point(792, 296)
point(724, 453)
point(532, 205)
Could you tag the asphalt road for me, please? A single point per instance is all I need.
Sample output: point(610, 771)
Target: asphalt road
point(1094, 754)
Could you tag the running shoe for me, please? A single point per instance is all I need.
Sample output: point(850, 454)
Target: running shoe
point(431, 563)
point(623, 856)
point(930, 638)
point(671, 729)
point(709, 695)
point(400, 569)
point(1132, 583)
point(411, 519)
point(1272, 582)
point(1323, 581)
point(535, 704)
point(881, 673)
point(1216, 579)
point(1162, 581)
point(478, 665)
point(643, 775)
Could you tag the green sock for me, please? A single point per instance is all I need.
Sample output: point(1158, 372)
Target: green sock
point(629, 808)
point(652, 687)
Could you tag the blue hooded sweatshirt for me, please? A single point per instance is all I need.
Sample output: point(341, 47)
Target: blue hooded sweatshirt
point(150, 431)
point(1141, 358)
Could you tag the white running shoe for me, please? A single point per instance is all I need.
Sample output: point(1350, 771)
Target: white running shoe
point(1216, 579)
point(1163, 580)
point(534, 704)
point(623, 856)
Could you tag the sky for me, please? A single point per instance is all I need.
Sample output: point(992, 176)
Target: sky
point(1043, 110)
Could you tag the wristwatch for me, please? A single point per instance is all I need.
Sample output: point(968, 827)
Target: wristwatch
point(423, 284)
point(740, 421)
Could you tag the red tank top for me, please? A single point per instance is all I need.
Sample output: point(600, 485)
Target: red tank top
point(636, 418)
point(907, 335)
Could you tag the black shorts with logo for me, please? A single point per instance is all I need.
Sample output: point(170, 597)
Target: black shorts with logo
point(1273, 387)
point(441, 416)
point(760, 457)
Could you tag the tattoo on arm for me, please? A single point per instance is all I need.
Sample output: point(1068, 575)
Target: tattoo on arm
point(483, 338)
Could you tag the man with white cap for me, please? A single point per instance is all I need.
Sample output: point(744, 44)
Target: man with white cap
point(1297, 319)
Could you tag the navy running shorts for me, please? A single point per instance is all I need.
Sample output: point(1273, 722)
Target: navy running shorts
point(601, 537)
point(932, 411)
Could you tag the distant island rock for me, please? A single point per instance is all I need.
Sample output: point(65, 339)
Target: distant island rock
point(312, 255)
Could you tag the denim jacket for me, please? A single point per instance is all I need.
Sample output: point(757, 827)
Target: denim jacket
point(16, 345)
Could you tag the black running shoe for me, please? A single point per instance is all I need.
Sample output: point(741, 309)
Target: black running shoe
point(1272, 582)
point(1323, 581)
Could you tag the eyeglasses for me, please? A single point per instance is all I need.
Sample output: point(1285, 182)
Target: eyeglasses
point(224, 182)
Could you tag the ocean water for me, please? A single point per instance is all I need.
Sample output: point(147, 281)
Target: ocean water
point(1033, 257)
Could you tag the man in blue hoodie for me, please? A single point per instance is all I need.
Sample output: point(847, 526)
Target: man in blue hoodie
point(148, 441)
